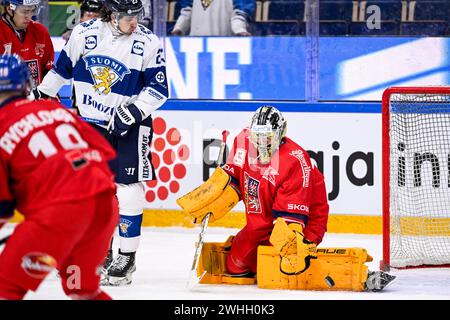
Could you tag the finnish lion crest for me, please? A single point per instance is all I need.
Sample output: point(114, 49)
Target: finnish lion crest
point(124, 225)
point(206, 3)
point(104, 78)
point(105, 72)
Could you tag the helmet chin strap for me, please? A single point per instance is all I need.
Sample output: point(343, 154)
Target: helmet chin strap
point(11, 16)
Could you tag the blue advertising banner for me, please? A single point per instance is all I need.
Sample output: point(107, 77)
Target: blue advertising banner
point(273, 68)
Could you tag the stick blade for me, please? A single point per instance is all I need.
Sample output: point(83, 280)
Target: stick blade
point(194, 280)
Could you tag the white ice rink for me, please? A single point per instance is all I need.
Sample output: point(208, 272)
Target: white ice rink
point(165, 257)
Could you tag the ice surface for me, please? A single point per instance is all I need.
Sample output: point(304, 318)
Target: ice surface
point(165, 257)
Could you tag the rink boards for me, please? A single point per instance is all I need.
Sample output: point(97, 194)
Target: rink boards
point(345, 138)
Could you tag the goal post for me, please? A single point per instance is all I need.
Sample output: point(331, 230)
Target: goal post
point(416, 177)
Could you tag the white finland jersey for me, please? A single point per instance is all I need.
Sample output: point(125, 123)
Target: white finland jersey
point(110, 69)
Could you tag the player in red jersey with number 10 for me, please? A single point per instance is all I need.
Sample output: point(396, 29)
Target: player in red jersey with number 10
point(53, 170)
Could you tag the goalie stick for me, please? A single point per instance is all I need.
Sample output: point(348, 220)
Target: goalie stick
point(193, 278)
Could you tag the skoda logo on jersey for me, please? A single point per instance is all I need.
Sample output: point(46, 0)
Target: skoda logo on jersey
point(90, 42)
point(105, 72)
point(137, 48)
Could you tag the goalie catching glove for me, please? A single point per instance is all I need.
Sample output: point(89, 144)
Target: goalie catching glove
point(215, 196)
point(123, 119)
point(295, 251)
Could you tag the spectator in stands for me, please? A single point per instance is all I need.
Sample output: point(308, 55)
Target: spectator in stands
point(215, 17)
point(146, 19)
point(89, 9)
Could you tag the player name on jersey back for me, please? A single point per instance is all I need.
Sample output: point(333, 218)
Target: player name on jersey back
point(21, 128)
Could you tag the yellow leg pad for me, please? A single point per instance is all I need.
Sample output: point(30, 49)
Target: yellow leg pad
point(334, 269)
point(213, 260)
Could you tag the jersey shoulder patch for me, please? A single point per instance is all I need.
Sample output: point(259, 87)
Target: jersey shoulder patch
point(86, 33)
point(88, 23)
point(90, 26)
point(143, 32)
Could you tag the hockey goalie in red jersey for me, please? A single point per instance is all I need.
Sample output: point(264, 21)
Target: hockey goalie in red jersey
point(54, 171)
point(286, 210)
point(275, 178)
point(29, 39)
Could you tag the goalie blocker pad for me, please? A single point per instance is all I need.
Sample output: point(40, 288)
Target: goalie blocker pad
point(341, 269)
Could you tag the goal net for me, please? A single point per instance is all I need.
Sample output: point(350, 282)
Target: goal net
point(416, 177)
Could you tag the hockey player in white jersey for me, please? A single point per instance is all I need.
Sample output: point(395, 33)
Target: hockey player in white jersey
point(215, 18)
point(119, 75)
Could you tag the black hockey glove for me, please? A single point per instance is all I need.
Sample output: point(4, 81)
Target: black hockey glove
point(123, 119)
point(37, 94)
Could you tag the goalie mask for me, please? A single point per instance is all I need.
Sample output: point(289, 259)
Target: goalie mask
point(267, 129)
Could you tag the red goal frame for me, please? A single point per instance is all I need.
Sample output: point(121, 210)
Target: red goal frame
point(385, 262)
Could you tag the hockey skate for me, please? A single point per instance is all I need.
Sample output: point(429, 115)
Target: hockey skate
point(122, 268)
point(378, 280)
point(104, 269)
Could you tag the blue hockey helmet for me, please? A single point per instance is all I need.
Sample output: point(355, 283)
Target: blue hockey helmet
point(15, 4)
point(14, 75)
point(23, 2)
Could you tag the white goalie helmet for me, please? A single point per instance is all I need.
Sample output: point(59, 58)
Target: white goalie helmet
point(267, 129)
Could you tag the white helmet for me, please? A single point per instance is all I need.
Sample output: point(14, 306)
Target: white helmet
point(267, 129)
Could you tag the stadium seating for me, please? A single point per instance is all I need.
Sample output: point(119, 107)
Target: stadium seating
point(424, 28)
point(340, 10)
point(390, 10)
point(347, 17)
point(328, 28)
point(283, 10)
point(387, 28)
point(426, 10)
point(333, 28)
point(274, 28)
